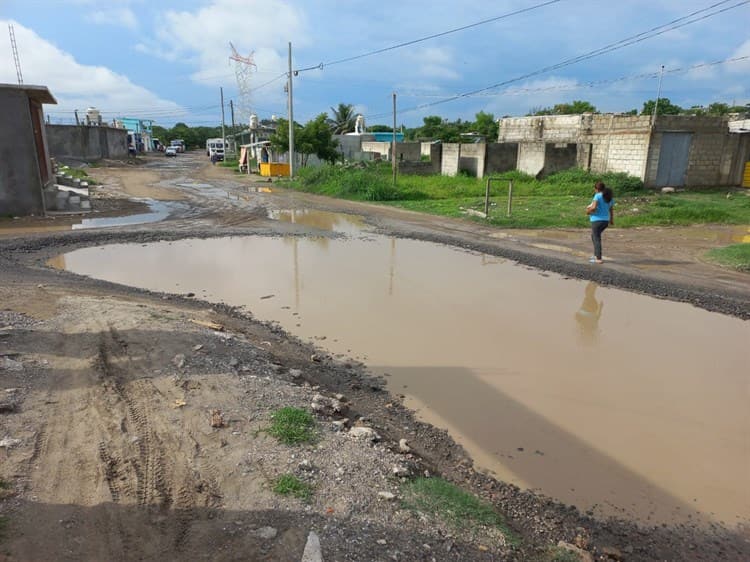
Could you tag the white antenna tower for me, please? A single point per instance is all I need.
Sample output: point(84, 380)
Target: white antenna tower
point(14, 48)
point(243, 70)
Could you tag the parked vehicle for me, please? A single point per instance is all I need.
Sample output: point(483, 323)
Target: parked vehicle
point(170, 151)
point(178, 144)
point(215, 147)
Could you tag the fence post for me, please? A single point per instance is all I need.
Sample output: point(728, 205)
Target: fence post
point(487, 199)
point(510, 197)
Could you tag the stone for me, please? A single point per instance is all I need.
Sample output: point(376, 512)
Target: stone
point(217, 418)
point(9, 443)
point(403, 447)
point(667, 189)
point(295, 373)
point(364, 433)
point(312, 552)
point(386, 496)
point(10, 365)
point(583, 555)
point(265, 533)
point(179, 360)
point(325, 406)
point(306, 465)
point(197, 347)
point(340, 425)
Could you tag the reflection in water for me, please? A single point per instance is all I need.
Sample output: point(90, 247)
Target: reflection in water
point(489, 352)
point(588, 315)
point(323, 220)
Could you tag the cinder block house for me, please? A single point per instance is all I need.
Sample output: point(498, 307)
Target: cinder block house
point(672, 150)
point(25, 167)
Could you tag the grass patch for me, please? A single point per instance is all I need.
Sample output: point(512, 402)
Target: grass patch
point(557, 201)
point(451, 504)
point(559, 554)
point(292, 426)
point(4, 524)
point(230, 163)
point(78, 173)
point(736, 256)
point(290, 485)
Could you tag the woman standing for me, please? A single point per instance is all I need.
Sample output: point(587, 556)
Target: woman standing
point(601, 216)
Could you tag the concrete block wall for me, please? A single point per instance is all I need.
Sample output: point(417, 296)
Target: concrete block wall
point(382, 148)
point(559, 156)
point(705, 159)
point(501, 157)
point(472, 159)
point(408, 151)
point(450, 159)
point(531, 157)
point(86, 143)
point(20, 180)
point(625, 152)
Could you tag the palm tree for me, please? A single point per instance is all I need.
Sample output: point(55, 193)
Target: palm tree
point(343, 119)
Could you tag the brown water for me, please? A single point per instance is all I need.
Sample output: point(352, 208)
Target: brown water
point(622, 403)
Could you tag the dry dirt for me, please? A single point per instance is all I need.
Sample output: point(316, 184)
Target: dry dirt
point(136, 429)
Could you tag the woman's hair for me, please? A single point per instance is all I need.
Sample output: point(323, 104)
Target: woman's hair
point(604, 190)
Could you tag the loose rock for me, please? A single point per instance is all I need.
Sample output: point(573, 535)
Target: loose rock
point(312, 552)
point(364, 433)
point(403, 447)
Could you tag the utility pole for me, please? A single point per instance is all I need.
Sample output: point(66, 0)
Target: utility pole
point(231, 108)
point(658, 95)
point(291, 116)
point(223, 134)
point(393, 148)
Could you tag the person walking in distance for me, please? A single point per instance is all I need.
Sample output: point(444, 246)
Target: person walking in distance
point(601, 215)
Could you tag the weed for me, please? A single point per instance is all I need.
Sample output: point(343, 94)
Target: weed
point(4, 524)
point(736, 256)
point(290, 485)
point(292, 426)
point(450, 503)
point(559, 554)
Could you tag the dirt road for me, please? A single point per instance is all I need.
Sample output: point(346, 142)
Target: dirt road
point(134, 423)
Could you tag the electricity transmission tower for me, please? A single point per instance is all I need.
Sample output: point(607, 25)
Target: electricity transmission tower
point(14, 48)
point(243, 70)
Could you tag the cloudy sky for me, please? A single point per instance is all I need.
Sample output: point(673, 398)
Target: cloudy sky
point(166, 60)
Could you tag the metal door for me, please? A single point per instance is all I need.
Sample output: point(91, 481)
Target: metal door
point(673, 159)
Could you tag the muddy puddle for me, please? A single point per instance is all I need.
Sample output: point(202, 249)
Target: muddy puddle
point(158, 211)
point(619, 403)
point(323, 220)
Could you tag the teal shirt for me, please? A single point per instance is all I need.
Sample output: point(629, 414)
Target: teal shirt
point(602, 208)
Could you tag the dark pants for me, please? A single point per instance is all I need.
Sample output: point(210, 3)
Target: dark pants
point(597, 227)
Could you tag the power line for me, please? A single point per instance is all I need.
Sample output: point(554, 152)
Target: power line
point(589, 84)
point(426, 38)
point(633, 39)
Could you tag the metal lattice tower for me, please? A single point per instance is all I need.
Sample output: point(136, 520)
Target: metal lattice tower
point(243, 70)
point(14, 48)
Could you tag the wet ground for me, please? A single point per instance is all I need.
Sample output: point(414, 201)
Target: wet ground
point(598, 397)
point(551, 377)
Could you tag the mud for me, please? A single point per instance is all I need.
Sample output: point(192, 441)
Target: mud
point(541, 354)
point(150, 491)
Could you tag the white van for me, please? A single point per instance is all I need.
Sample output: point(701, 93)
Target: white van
point(215, 146)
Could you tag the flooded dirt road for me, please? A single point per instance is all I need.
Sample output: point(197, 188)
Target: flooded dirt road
point(618, 403)
point(548, 374)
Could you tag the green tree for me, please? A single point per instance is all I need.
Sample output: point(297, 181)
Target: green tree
point(576, 107)
point(486, 125)
point(666, 107)
point(343, 119)
point(380, 129)
point(316, 137)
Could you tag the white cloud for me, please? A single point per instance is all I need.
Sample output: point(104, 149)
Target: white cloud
point(740, 67)
point(75, 85)
point(433, 62)
point(122, 16)
point(202, 37)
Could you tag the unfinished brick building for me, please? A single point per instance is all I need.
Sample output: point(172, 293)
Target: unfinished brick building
point(673, 150)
